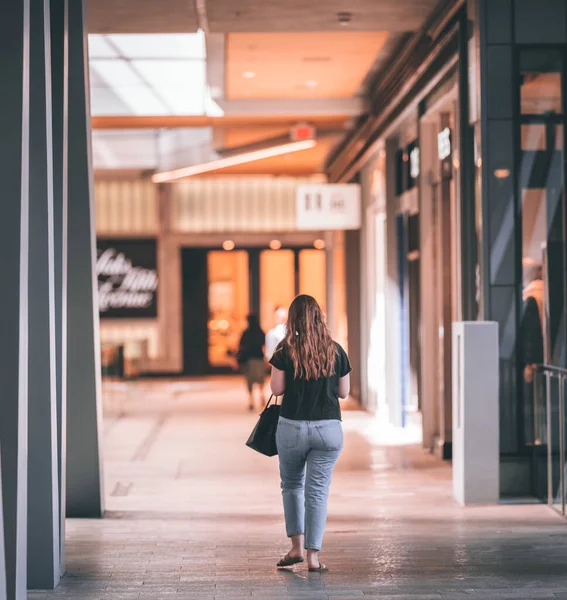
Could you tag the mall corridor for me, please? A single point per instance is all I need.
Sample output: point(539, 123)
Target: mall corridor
point(194, 514)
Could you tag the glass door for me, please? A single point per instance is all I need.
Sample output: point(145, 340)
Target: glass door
point(542, 339)
point(228, 292)
point(277, 283)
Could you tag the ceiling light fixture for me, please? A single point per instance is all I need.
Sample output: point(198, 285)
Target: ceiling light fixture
point(275, 244)
point(344, 18)
point(228, 245)
point(319, 244)
point(248, 74)
point(232, 161)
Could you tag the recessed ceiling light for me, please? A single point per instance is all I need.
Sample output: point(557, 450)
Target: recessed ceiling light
point(275, 244)
point(319, 244)
point(248, 74)
point(228, 245)
point(311, 83)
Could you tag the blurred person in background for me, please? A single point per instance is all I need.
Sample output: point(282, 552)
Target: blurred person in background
point(312, 372)
point(250, 358)
point(532, 339)
point(277, 334)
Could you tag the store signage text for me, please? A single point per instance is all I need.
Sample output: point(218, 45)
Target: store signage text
point(444, 143)
point(328, 207)
point(127, 278)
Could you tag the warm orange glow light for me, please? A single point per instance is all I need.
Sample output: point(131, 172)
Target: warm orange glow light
point(319, 244)
point(232, 161)
point(501, 173)
point(228, 245)
point(275, 244)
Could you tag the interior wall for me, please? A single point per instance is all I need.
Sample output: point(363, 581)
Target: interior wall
point(166, 212)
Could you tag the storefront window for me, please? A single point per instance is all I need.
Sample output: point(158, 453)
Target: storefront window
point(312, 275)
point(277, 283)
point(542, 196)
point(540, 82)
point(228, 303)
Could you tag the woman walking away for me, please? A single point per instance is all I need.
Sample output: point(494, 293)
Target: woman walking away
point(251, 358)
point(312, 373)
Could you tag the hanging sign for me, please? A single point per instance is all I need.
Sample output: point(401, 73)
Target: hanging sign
point(414, 162)
point(127, 278)
point(328, 206)
point(444, 143)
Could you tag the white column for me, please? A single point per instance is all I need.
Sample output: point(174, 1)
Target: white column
point(476, 445)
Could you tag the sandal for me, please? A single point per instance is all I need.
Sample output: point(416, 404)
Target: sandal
point(289, 561)
point(320, 569)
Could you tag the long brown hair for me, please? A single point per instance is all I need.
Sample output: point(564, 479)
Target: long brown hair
point(308, 340)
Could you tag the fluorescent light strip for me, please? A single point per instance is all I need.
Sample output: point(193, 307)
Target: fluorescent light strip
point(233, 161)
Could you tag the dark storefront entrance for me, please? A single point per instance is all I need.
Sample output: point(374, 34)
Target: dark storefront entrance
point(221, 287)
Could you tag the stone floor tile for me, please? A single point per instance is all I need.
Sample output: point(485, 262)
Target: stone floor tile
point(196, 514)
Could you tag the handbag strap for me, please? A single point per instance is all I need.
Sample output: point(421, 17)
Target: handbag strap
point(275, 402)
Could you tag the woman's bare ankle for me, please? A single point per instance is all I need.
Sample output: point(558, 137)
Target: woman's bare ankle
point(313, 559)
point(296, 546)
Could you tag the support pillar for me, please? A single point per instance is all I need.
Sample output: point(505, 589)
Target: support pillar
point(14, 173)
point(59, 93)
point(85, 496)
point(330, 280)
point(43, 485)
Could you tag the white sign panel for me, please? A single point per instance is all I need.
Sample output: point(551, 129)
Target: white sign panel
point(328, 206)
point(444, 143)
point(414, 163)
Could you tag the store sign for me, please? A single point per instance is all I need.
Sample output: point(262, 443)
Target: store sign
point(414, 162)
point(444, 143)
point(328, 206)
point(127, 278)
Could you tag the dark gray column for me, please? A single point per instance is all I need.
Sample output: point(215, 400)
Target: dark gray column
point(59, 92)
point(353, 301)
point(14, 169)
point(84, 411)
point(43, 486)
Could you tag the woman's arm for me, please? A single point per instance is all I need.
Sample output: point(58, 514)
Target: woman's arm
point(277, 382)
point(344, 387)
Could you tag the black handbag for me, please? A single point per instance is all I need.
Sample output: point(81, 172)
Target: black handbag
point(263, 437)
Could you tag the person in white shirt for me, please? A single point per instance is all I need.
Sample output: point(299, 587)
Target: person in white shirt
point(277, 334)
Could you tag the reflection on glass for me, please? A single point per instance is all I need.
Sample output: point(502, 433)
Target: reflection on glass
point(277, 283)
point(540, 90)
point(312, 275)
point(542, 332)
point(540, 136)
point(228, 304)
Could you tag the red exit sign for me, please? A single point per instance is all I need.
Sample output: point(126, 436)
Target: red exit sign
point(300, 133)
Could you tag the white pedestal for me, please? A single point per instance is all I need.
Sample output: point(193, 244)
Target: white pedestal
point(476, 446)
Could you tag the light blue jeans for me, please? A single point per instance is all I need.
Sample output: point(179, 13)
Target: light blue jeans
point(308, 452)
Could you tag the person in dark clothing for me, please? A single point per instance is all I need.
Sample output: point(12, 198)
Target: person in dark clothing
point(311, 371)
point(251, 358)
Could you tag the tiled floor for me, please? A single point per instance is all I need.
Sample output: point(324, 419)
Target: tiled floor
point(194, 514)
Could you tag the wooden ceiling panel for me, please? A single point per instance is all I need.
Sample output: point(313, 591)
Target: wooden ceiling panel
point(241, 137)
point(142, 16)
point(317, 15)
point(299, 65)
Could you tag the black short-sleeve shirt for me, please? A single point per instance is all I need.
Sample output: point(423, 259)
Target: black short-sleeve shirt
point(313, 400)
